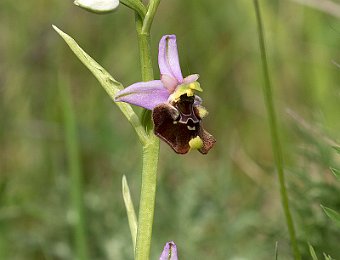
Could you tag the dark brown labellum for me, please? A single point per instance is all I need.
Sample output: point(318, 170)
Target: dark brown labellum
point(178, 123)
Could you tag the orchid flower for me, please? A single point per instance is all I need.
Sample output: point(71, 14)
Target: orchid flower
point(176, 110)
point(169, 252)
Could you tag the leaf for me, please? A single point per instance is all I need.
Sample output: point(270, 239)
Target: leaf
point(336, 173)
point(312, 252)
point(332, 214)
point(130, 210)
point(105, 79)
point(327, 257)
point(110, 85)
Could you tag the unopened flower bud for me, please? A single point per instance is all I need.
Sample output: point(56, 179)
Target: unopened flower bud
point(169, 252)
point(98, 6)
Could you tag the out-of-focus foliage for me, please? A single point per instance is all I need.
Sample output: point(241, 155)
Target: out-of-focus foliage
point(224, 205)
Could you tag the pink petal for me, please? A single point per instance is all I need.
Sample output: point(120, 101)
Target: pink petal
point(169, 82)
point(144, 94)
point(168, 58)
point(191, 78)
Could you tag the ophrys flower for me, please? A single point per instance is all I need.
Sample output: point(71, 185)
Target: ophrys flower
point(176, 110)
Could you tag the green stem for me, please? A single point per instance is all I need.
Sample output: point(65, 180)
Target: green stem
point(276, 146)
point(135, 5)
point(145, 56)
point(147, 199)
point(72, 149)
point(151, 148)
point(150, 14)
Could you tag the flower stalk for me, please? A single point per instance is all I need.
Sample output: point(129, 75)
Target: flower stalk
point(145, 56)
point(135, 5)
point(276, 145)
point(150, 14)
point(151, 148)
point(147, 198)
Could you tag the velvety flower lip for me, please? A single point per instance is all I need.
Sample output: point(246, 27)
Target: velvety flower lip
point(176, 110)
point(180, 126)
point(169, 251)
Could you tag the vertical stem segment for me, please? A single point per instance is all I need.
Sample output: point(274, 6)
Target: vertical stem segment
point(145, 56)
point(150, 154)
point(147, 199)
point(276, 146)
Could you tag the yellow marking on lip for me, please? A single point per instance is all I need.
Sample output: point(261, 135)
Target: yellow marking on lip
point(196, 143)
point(202, 112)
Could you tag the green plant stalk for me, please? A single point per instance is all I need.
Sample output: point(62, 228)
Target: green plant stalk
point(72, 149)
point(145, 56)
point(276, 145)
point(135, 5)
point(147, 199)
point(150, 14)
point(150, 149)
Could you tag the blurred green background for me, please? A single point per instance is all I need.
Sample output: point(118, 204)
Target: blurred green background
point(224, 205)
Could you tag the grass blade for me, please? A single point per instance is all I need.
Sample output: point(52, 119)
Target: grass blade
point(312, 252)
point(336, 173)
point(276, 144)
point(332, 214)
